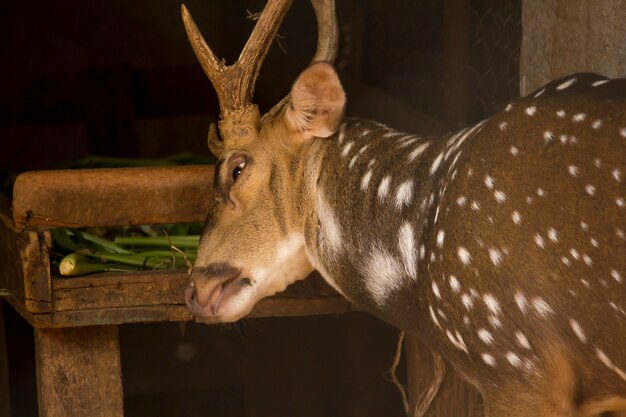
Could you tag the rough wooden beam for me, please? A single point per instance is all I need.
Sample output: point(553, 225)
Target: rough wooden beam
point(79, 372)
point(34, 252)
point(112, 197)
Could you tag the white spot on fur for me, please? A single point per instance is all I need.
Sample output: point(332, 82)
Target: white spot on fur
point(503, 125)
point(383, 274)
point(590, 189)
point(553, 235)
point(599, 83)
point(440, 237)
point(609, 363)
point(436, 290)
point(578, 330)
point(513, 359)
point(489, 182)
point(597, 124)
point(573, 170)
point(540, 241)
point(617, 175)
point(464, 255)
point(455, 285)
point(485, 336)
point(540, 192)
point(522, 340)
point(560, 114)
point(457, 340)
point(616, 275)
point(566, 84)
point(620, 202)
point(461, 201)
point(541, 307)
point(516, 217)
point(531, 110)
point(346, 149)
point(492, 303)
point(467, 301)
point(579, 117)
point(500, 196)
point(496, 256)
point(488, 359)
point(404, 194)
point(433, 317)
point(548, 136)
point(521, 302)
point(622, 132)
point(353, 161)
point(475, 205)
point(418, 151)
point(514, 151)
point(383, 188)
point(330, 231)
point(365, 181)
point(406, 246)
point(436, 164)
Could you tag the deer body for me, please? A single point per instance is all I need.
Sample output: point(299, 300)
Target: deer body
point(501, 245)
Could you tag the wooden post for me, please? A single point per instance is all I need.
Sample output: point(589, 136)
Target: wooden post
point(5, 393)
point(79, 372)
point(455, 398)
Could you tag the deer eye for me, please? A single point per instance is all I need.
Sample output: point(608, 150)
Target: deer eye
point(237, 170)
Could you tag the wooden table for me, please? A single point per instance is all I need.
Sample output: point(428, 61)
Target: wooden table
point(76, 319)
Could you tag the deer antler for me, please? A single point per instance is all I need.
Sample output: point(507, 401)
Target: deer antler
point(234, 84)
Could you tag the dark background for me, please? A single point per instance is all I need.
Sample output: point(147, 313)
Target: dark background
point(118, 78)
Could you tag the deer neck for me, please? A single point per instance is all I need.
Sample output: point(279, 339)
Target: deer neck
point(373, 194)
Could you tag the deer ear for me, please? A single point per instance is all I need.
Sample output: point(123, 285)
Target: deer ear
point(316, 102)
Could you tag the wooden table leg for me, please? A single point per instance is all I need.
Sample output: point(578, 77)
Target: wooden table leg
point(5, 394)
point(79, 372)
point(456, 397)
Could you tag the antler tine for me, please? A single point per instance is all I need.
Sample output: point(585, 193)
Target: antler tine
point(327, 41)
point(327, 30)
point(213, 68)
point(234, 84)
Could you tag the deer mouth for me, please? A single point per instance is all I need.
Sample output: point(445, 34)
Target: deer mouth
point(220, 292)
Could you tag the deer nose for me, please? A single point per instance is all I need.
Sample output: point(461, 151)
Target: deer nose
point(206, 281)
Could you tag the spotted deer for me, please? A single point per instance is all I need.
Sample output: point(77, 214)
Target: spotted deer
point(502, 245)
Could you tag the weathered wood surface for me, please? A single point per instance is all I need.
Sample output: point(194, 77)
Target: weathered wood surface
point(24, 264)
point(112, 197)
point(158, 296)
point(79, 372)
point(565, 36)
point(456, 397)
point(11, 278)
point(34, 250)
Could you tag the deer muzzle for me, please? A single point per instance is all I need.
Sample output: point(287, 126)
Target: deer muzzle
point(209, 286)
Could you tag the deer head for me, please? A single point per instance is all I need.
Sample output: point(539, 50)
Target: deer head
point(260, 163)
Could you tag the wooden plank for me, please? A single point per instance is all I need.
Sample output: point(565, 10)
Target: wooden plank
point(147, 288)
point(5, 392)
point(112, 197)
point(119, 290)
point(79, 372)
point(11, 278)
point(34, 250)
point(456, 397)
